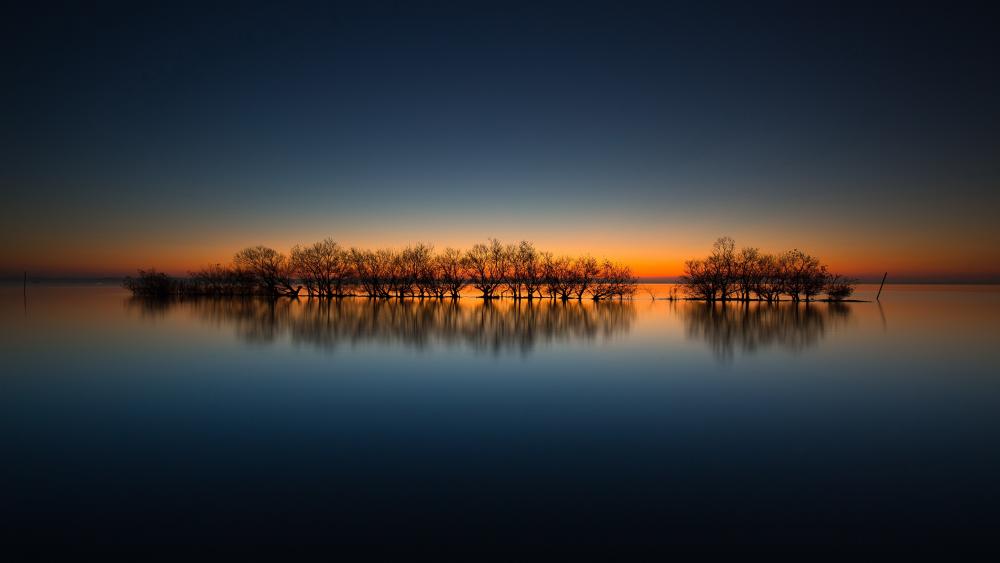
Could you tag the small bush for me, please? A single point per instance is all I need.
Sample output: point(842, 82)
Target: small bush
point(151, 283)
point(839, 288)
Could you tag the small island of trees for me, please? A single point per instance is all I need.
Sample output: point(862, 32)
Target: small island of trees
point(326, 269)
point(751, 275)
point(495, 270)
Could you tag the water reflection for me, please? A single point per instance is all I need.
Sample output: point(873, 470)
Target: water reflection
point(750, 327)
point(327, 323)
point(109, 407)
point(496, 327)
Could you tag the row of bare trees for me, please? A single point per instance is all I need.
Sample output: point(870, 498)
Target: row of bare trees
point(749, 274)
point(326, 269)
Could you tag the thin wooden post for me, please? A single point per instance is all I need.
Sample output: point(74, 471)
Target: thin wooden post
point(26, 284)
point(880, 286)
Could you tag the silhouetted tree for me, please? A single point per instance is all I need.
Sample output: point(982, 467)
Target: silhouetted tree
point(699, 281)
point(529, 269)
point(270, 269)
point(150, 283)
point(722, 267)
point(218, 279)
point(451, 270)
point(420, 264)
point(585, 272)
point(325, 269)
point(402, 274)
point(372, 270)
point(726, 274)
point(715, 277)
point(802, 275)
point(487, 265)
point(815, 282)
point(560, 276)
point(839, 288)
point(748, 272)
point(614, 280)
point(322, 267)
point(770, 282)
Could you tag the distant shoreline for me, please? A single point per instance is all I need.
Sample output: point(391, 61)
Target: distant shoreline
point(117, 281)
point(658, 280)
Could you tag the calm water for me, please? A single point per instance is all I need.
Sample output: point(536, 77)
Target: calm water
point(247, 422)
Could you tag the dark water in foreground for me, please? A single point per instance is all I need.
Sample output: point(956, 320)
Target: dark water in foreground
point(242, 422)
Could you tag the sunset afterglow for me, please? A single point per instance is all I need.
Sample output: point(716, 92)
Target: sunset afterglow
point(638, 138)
point(405, 277)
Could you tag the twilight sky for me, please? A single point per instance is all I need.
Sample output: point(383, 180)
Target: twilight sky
point(135, 136)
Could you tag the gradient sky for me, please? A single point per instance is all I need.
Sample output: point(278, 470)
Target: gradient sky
point(137, 136)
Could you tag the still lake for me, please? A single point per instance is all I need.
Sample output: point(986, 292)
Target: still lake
point(352, 421)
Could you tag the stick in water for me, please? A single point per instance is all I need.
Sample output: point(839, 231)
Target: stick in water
point(880, 286)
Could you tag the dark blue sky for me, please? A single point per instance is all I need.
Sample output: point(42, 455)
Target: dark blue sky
point(181, 128)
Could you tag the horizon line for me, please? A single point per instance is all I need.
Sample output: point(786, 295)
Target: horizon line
point(11, 279)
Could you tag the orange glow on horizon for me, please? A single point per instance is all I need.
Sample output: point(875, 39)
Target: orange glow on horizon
point(647, 261)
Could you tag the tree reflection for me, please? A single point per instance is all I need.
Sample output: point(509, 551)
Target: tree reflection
point(485, 326)
point(750, 327)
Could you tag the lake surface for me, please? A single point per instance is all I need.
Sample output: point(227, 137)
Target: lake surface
point(248, 422)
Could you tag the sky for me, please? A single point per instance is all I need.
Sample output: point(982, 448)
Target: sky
point(170, 135)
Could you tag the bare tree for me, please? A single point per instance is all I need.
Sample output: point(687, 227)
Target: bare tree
point(770, 283)
point(420, 269)
point(269, 268)
point(373, 271)
point(722, 266)
point(210, 280)
point(802, 274)
point(322, 267)
point(714, 277)
point(529, 269)
point(327, 270)
point(839, 288)
point(815, 282)
point(150, 283)
point(726, 273)
point(614, 280)
point(560, 276)
point(585, 272)
point(451, 269)
point(513, 274)
point(748, 272)
point(487, 265)
point(699, 281)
